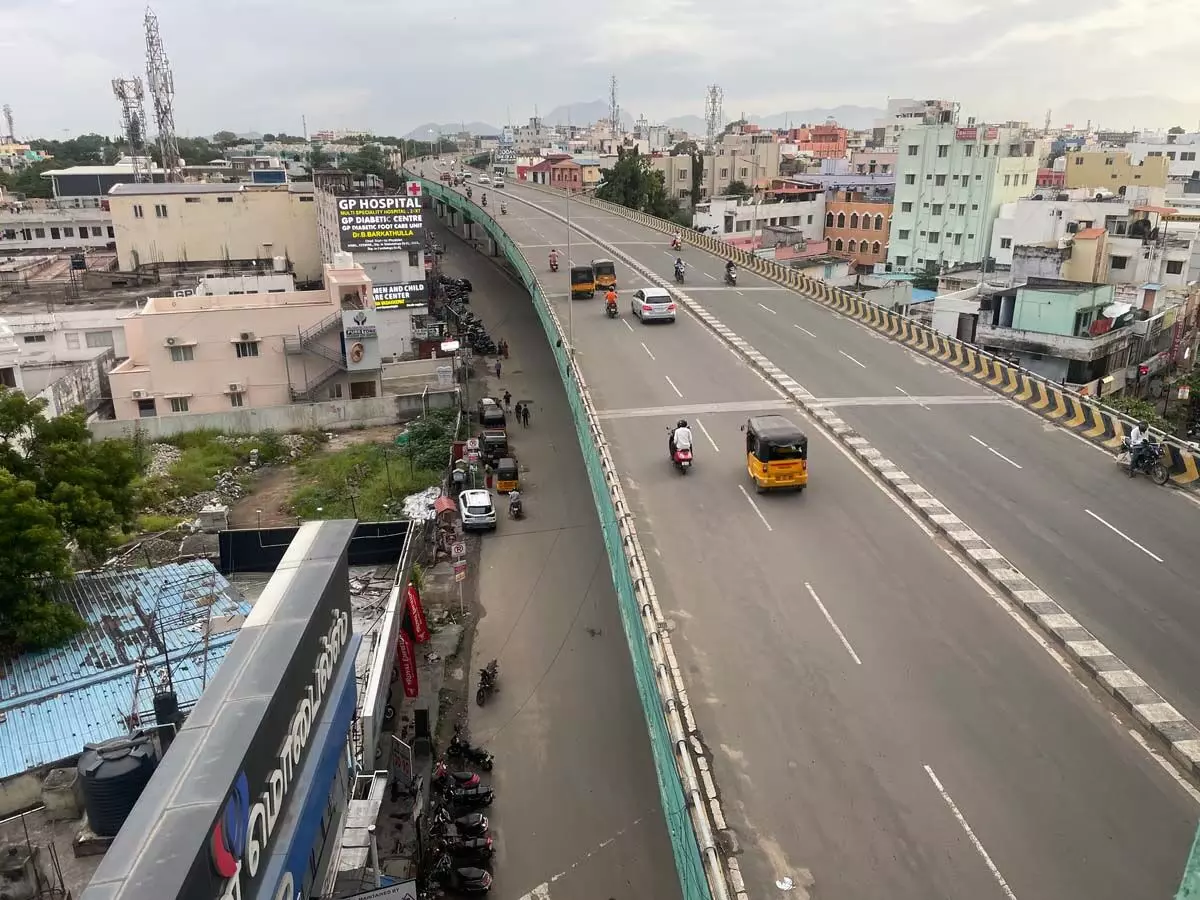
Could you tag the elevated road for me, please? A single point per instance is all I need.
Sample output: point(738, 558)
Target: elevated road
point(880, 724)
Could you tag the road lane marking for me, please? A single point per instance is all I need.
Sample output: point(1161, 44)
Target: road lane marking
point(696, 409)
point(713, 277)
point(709, 436)
point(975, 842)
point(651, 355)
point(1116, 530)
point(907, 394)
point(852, 359)
point(990, 449)
point(672, 384)
point(630, 327)
point(754, 505)
point(768, 309)
point(805, 330)
point(832, 624)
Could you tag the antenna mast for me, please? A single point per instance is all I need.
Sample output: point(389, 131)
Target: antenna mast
point(713, 113)
point(133, 123)
point(162, 91)
point(10, 133)
point(614, 111)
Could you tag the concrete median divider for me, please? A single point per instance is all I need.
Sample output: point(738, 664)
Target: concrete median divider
point(1068, 409)
point(690, 801)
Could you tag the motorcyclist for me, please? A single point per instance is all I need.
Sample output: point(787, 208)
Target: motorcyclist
point(503, 208)
point(679, 267)
point(730, 271)
point(553, 259)
point(514, 503)
point(610, 299)
point(484, 201)
point(681, 438)
point(1139, 439)
point(677, 241)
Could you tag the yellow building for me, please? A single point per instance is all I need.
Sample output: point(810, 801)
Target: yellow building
point(1113, 169)
point(198, 225)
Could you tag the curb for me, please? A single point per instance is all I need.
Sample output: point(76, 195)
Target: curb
point(1065, 408)
point(1158, 717)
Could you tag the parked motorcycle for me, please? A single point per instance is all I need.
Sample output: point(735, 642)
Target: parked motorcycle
point(463, 879)
point(489, 677)
point(461, 748)
point(469, 850)
point(469, 798)
point(1150, 463)
point(443, 777)
point(472, 824)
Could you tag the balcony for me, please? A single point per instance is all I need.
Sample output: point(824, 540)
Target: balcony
point(1083, 348)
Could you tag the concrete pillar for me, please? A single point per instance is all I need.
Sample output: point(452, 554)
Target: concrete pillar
point(451, 216)
point(493, 247)
point(466, 229)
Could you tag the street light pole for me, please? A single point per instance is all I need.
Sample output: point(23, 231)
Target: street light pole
point(570, 296)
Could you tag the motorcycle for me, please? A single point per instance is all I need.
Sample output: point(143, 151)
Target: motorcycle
point(1150, 464)
point(676, 244)
point(463, 879)
point(678, 275)
point(516, 508)
point(488, 677)
point(503, 210)
point(466, 849)
point(611, 310)
point(484, 203)
point(731, 277)
point(461, 748)
point(553, 264)
point(443, 777)
point(681, 459)
point(472, 824)
point(469, 798)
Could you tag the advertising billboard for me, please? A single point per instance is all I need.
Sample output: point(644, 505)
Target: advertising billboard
point(396, 296)
point(380, 224)
point(362, 339)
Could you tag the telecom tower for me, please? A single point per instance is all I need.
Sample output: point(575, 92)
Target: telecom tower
point(713, 113)
point(133, 122)
point(162, 92)
point(10, 134)
point(614, 111)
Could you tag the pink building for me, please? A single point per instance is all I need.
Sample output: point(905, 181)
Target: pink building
point(212, 352)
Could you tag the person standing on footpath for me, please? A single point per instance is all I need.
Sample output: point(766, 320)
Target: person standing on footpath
point(497, 368)
point(520, 411)
point(525, 415)
point(508, 404)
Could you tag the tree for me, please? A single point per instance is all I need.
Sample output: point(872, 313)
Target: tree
point(28, 179)
point(369, 160)
point(33, 555)
point(269, 138)
point(318, 158)
point(1175, 129)
point(635, 184)
point(86, 485)
point(225, 137)
point(737, 189)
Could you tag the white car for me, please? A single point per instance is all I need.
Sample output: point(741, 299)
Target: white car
point(653, 305)
point(498, 183)
point(477, 510)
point(483, 179)
point(465, 176)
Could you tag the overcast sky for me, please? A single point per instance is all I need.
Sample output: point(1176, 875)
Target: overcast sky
point(388, 66)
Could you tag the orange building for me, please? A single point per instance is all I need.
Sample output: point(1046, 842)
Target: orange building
point(820, 141)
point(858, 227)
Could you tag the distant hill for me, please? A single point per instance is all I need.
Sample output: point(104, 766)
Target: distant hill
point(1113, 113)
point(846, 116)
point(421, 132)
point(583, 114)
point(693, 125)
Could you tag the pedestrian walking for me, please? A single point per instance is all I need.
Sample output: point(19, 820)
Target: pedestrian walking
point(525, 415)
point(497, 369)
point(508, 403)
point(520, 410)
point(504, 348)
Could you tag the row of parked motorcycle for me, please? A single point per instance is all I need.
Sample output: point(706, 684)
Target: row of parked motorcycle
point(455, 294)
point(460, 838)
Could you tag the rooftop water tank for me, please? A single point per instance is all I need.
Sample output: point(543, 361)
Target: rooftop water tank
point(114, 774)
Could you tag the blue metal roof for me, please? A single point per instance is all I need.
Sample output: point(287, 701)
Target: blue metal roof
point(101, 684)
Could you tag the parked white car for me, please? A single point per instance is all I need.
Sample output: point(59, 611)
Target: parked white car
point(477, 510)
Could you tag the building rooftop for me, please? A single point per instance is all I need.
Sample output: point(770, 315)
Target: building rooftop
point(97, 170)
point(144, 626)
point(1089, 234)
point(239, 187)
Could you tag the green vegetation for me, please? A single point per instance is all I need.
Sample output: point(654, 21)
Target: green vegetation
point(367, 481)
point(635, 184)
point(1145, 410)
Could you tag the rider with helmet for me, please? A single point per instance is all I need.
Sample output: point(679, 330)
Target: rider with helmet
point(1139, 439)
point(610, 299)
point(681, 437)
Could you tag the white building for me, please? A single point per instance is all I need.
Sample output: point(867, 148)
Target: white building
point(950, 184)
point(70, 335)
point(745, 218)
point(903, 114)
point(56, 229)
point(1180, 151)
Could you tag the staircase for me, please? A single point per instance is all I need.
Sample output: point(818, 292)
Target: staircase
point(308, 341)
point(309, 392)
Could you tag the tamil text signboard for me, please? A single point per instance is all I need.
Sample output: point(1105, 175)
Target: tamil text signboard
point(380, 224)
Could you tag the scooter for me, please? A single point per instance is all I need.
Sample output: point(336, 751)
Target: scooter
point(679, 276)
point(681, 459)
point(472, 824)
point(464, 879)
point(469, 798)
point(554, 264)
point(611, 310)
point(731, 277)
point(676, 244)
point(503, 210)
point(488, 678)
point(443, 777)
point(466, 849)
point(461, 748)
point(516, 509)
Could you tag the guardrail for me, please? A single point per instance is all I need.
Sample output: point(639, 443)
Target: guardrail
point(681, 770)
point(1066, 408)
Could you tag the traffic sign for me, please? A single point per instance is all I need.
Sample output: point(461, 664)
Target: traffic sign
point(460, 570)
point(472, 443)
point(472, 456)
point(458, 549)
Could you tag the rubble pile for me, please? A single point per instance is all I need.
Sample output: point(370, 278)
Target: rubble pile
point(162, 457)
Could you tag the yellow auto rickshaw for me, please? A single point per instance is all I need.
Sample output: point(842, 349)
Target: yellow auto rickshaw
point(776, 453)
point(583, 282)
point(507, 476)
point(606, 274)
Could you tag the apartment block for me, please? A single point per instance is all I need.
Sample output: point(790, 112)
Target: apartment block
point(54, 228)
point(858, 226)
point(1113, 170)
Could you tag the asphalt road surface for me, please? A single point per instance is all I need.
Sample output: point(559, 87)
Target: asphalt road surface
point(577, 807)
point(880, 724)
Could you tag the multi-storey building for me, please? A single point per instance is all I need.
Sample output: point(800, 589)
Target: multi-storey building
point(784, 204)
point(950, 183)
point(1113, 170)
point(903, 114)
point(858, 225)
point(54, 228)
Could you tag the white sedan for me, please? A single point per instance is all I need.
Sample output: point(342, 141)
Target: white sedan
point(477, 510)
point(653, 305)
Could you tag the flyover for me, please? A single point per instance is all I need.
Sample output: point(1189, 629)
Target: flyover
point(873, 712)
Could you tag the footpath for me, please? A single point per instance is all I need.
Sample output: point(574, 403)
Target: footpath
point(577, 815)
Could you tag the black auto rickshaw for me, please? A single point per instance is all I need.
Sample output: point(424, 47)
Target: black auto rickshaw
point(507, 477)
point(583, 282)
point(493, 444)
point(776, 453)
point(606, 274)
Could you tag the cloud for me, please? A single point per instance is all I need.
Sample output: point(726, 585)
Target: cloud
point(386, 66)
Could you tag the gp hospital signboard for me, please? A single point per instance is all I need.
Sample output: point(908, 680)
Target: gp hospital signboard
point(380, 224)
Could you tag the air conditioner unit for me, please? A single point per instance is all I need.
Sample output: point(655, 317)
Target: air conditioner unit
point(171, 342)
point(233, 388)
point(246, 336)
point(138, 395)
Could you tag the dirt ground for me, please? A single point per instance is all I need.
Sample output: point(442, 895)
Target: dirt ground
point(269, 502)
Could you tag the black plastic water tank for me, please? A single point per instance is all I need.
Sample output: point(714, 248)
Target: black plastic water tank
point(114, 774)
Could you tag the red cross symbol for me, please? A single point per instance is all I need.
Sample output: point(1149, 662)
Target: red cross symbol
point(414, 189)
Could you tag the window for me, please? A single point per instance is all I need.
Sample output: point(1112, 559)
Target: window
point(934, 236)
point(809, 222)
point(912, 149)
point(1189, 156)
point(1007, 180)
point(902, 261)
point(1079, 160)
point(414, 258)
point(875, 247)
point(138, 212)
point(1119, 262)
point(224, 199)
point(179, 404)
point(966, 180)
point(160, 210)
point(879, 223)
point(182, 354)
point(307, 199)
point(8, 377)
point(970, 237)
point(99, 339)
point(943, 151)
point(246, 349)
point(72, 338)
point(191, 199)
point(683, 175)
point(905, 233)
point(828, 220)
point(910, 179)
point(1174, 266)
point(237, 400)
point(742, 226)
point(1108, 160)
point(68, 231)
point(111, 233)
point(852, 246)
point(838, 245)
point(986, 147)
point(940, 180)
point(962, 209)
point(1005, 243)
point(146, 409)
point(39, 232)
point(968, 150)
point(854, 220)
point(937, 209)
point(724, 174)
point(906, 207)
point(35, 339)
point(743, 172)
point(974, 206)
point(841, 220)
point(1025, 178)
point(96, 232)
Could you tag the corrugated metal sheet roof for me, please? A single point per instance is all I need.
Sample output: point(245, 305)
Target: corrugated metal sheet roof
point(102, 682)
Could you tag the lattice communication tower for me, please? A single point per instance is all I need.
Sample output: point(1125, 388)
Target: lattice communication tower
point(9, 132)
point(133, 123)
point(162, 94)
point(714, 115)
point(614, 111)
